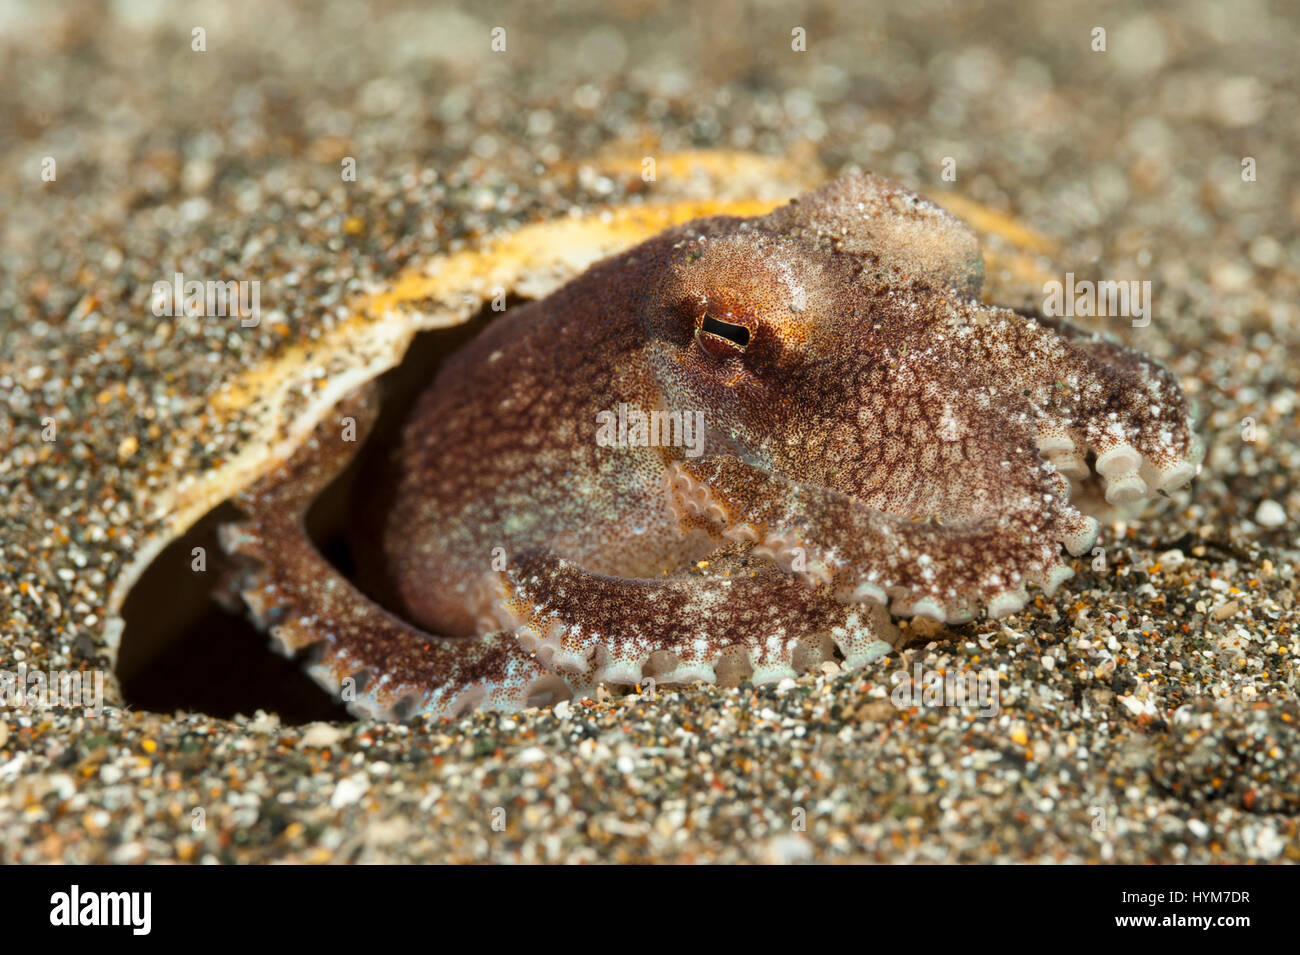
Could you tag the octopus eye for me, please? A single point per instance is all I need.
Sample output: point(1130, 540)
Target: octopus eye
point(712, 329)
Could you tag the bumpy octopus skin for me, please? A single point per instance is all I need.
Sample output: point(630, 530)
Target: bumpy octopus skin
point(877, 442)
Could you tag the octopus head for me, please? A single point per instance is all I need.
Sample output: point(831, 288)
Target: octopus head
point(774, 326)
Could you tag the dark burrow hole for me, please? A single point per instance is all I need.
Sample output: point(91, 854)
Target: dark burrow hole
point(186, 648)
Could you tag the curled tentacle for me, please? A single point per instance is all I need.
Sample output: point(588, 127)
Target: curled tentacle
point(396, 670)
point(736, 618)
point(914, 567)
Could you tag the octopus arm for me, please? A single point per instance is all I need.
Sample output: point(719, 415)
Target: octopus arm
point(913, 567)
point(735, 618)
point(380, 665)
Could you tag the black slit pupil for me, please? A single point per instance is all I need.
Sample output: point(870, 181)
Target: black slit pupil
point(732, 333)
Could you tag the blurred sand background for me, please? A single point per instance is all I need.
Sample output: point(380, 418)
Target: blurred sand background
point(1148, 713)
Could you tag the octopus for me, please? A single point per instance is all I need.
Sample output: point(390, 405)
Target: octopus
point(734, 452)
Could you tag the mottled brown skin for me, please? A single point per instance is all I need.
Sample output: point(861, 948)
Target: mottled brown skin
point(875, 438)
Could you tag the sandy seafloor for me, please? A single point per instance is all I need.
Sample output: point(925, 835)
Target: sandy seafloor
point(1148, 712)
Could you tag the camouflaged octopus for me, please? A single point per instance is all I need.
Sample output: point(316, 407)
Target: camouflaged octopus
point(876, 441)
